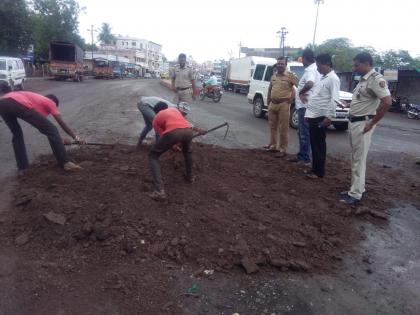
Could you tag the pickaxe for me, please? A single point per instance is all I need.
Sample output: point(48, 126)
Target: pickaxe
point(226, 124)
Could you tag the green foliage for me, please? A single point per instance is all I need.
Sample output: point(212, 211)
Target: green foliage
point(15, 34)
point(54, 20)
point(343, 52)
point(105, 35)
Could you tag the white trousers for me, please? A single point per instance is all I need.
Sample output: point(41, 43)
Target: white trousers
point(359, 144)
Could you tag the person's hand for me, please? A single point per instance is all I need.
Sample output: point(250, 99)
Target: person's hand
point(303, 98)
point(176, 148)
point(200, 131)
point(67, 142)
point(79, 140)
point(368, 127)
point(326, 122)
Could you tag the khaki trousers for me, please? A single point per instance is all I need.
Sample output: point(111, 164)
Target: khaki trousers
point(183, 96)
point(359, 144)
point(278, 119)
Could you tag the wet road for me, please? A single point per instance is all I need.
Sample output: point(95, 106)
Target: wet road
point(106, 111)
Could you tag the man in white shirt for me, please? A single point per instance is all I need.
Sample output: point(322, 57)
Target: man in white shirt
point(310, 77)
point(320, 111)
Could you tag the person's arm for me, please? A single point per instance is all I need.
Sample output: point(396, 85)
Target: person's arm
point(335, 95)
point(380, 88)
point(67, 129)
point(308, 85)
point(380, 113)
point(173, 76)
point(269, 94)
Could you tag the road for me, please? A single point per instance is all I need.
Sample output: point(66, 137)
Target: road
point(106, 111)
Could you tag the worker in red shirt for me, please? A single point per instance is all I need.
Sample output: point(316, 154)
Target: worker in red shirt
point(34, 109)
point(173, 129)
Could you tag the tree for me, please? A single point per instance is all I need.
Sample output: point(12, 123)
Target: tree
point(54, 20)
point(15, 35)
point(393, 59)
point(105, 35)
point(342, 52)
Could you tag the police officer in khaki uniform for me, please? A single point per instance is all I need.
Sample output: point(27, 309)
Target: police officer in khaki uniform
point(280, 93)
point(371, 100)
point(183, 81)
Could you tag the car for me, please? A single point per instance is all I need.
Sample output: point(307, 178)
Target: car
point(12, 73)
point(258, 89)
point(147, 75)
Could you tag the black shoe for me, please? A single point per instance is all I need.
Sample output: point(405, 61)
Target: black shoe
point(349, 200)
point(344, 194)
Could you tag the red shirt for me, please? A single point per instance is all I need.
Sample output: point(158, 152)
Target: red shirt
point(169, 119)
point(40, 103)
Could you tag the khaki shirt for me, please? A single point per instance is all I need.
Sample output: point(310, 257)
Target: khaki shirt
point(182, 77)
point(368, 93)
point(282, 85)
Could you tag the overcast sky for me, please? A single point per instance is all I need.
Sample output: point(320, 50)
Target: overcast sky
point(210, 30)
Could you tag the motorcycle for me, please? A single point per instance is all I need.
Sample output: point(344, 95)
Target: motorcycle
point(215, 94)
point(413, 111)
point(399, 104)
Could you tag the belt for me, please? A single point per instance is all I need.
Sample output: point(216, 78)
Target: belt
point(281, 100)
point(360, 118)
point(182, 89)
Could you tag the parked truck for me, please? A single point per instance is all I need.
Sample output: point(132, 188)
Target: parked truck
point(66, 61)
point(239, 72)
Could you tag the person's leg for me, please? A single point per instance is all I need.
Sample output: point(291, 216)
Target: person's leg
point(186, 136)
point(48, 129)
point(148, 116)
point(284, 114)
point(360, 144)
point(317, 135)
point(164, 144)
point(17, 141)
point(273, 123)
point(303, 134)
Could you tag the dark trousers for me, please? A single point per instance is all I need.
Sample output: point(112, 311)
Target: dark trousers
point(318, 145)
point(148, 115)
point(303, 134)
point(10, 111)
point(184, 137)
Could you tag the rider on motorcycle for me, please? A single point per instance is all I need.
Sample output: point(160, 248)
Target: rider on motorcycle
point(211, 83)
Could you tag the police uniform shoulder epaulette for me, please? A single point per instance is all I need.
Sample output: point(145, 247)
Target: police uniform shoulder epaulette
point(377, 75)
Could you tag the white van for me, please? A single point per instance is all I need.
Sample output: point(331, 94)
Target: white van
point(258, 89)
point(12, 73)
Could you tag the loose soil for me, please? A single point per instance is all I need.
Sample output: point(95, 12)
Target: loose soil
point(96, 237)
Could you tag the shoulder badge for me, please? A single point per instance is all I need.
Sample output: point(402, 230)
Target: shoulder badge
point(382, 84)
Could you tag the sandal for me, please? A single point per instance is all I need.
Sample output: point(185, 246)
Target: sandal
point(313, 176)
point(158, 195)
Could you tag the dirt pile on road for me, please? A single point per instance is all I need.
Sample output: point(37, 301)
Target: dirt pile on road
point(245, 209)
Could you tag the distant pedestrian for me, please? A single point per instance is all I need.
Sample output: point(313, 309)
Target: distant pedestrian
point(183, 81)
point(371, 100)
point(146, 106)
point(34, 109)
point(310, 77)
point(174, 130)
point(279, 98)
point(320, 111)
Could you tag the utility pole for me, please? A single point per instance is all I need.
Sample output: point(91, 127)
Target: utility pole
point(282, 33)
point(91, 34)
point(240, 46)
point(317, 2)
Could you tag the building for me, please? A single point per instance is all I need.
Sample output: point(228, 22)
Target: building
point(269, 52)
point(219, 66)
point(141, 52)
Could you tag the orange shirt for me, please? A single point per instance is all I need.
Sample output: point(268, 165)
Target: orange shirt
point(168, 120)
point(40, 103)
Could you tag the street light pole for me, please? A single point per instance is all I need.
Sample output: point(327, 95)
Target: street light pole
point(317, 2)
point(282, 33)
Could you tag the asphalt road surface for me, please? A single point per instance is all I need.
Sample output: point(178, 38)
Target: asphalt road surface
point(102, 110)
